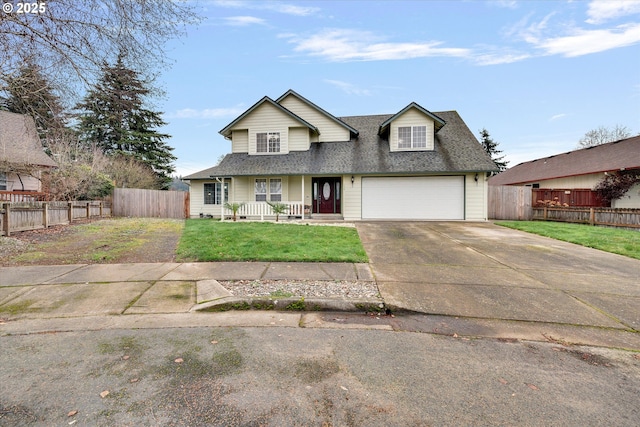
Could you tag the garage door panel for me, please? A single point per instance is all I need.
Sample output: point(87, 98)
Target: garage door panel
point(427, 198)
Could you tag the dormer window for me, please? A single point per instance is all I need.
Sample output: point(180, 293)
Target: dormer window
point(412, 137)
point(268, 142)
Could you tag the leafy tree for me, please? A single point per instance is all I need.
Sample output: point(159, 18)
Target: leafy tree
point(615, 185)
point(602, 135)
point(491, 147)
point(114, 118)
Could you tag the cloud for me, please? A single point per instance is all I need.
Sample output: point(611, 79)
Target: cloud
point(553, 38)
point(509, 4)
point(207, 113)
point(557, 117)
point(341, 45)
point(584, 42)
point(242, 21)
point(348, 88)
point(274, 6)
point(600, 11)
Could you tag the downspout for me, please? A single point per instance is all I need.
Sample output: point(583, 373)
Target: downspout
point(223, 201)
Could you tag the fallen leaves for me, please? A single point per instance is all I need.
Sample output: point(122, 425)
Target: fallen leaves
point(104, 394)
point(533, 387)
point(179, 360)
point(72, 413)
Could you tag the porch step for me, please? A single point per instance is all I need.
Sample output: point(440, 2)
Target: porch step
point(327, 217)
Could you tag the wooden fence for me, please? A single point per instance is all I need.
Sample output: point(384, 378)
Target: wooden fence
point(628, 218)
point(133, 202)
point(582, 197)
point(36, 215)
point(23, 196)
point(509, 202)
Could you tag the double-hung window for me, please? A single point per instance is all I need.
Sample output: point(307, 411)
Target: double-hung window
point(412, 137)
point(3, 181)
point(268, 142)
point(213, 193)
point(268, 189)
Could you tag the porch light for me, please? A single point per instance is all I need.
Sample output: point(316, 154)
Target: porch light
point(352, 179)
point(476, 177)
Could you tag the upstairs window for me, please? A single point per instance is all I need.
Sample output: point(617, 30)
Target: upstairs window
point(268, 142)
point(3, 181)
point(412, 137)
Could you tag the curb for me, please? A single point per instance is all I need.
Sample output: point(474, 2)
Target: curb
point(291, 304)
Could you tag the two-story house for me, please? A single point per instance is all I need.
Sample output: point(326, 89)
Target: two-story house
point(411, 165)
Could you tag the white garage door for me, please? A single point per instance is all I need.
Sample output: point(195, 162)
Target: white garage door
point(430, 198)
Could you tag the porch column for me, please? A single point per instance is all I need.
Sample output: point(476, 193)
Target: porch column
point(303, 197)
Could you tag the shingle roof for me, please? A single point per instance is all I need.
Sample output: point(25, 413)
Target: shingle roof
point(19, 141)
point(456, 150)
point(623, 154)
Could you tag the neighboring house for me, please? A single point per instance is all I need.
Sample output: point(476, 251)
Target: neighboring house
point(572, 176)
point(22, 158)
point(410, 165)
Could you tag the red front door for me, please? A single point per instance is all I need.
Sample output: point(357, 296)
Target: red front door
point(326, 195)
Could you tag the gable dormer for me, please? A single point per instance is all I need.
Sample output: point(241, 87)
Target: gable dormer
point(412, 129)
point(268, 128)
point(331, 129)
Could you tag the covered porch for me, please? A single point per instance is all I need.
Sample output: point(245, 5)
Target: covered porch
point(304, 197)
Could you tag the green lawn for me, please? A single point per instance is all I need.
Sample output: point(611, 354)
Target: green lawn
point(211, 240)
point(615, 240)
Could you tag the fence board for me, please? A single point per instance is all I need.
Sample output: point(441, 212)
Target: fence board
point(134, 202)
point(509, 202)
point(36, 215)
point(628, 218)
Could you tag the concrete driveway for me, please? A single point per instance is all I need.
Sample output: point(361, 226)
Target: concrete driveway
point(500, 278)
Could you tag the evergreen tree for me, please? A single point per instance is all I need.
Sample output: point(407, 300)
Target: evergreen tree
point(29, 92)
point(114, 118)
point(491, 147)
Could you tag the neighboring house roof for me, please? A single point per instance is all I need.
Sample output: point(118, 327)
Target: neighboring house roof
point(226, 132)
point(613, 156)
point(438, 122)
point(312, 105)
point(19, 141)
point(456, 151)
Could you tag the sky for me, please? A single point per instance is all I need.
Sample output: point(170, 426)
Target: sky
point(537, 75)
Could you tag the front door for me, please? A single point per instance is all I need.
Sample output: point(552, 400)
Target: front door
point(326, 195)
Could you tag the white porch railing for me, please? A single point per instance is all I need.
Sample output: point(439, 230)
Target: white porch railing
point(262, 210)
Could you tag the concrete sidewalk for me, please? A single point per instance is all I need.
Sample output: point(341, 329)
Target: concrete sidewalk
point(80, 290)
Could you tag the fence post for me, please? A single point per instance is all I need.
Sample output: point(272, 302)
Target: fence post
point(100, 205)
point(7, 215)
point(88, 210)
point(45, 214)
point(544, 215)
point(592, 216)
point(70, 212)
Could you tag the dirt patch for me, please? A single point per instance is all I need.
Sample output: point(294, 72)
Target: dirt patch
point(117, 240)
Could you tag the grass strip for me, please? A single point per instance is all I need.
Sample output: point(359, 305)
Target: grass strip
point(615, 240)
